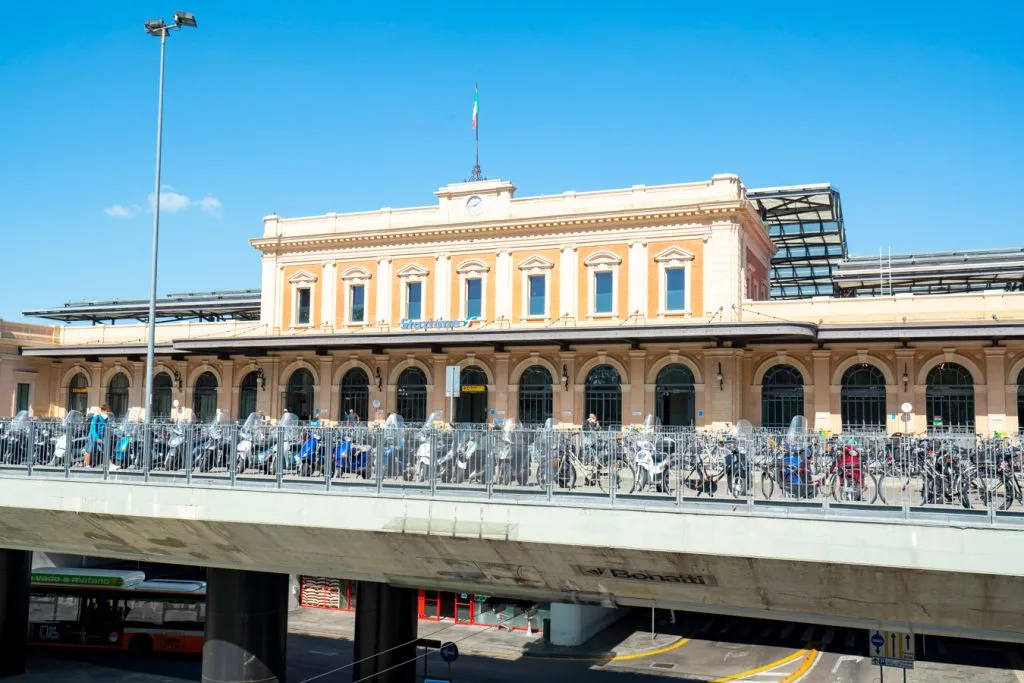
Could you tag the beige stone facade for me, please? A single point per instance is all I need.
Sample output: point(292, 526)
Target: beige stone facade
point(638, 280)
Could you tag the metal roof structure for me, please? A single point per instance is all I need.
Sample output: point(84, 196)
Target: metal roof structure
point(805, 222)
point(941, 272)
point(240, 304)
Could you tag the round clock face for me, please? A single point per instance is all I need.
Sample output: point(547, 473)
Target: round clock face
point(474, 205)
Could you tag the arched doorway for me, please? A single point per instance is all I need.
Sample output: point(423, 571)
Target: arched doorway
point(949, 398)
point(204, 398)
point(78, 393)
point(1020, 402)
point(117, 395)
point(862, 398)
point(535, 395)
point(355, 394)
point(162, 396)
point(412, 395)
point(782, 396)
point(471, 405)
point(248, 393)
point(603, 395)
point(674, 396)
point(299, 398)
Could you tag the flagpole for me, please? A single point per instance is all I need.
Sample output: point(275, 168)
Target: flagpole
point(477, 175)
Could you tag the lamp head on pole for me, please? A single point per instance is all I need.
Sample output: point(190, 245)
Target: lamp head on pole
point(155, 27)
point(184, 19)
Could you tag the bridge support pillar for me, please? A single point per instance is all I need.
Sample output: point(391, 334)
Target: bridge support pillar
point(386, 623)
point(15, 580)
point(246, 626)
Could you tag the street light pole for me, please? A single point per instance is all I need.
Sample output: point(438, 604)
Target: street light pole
point(151, 334)
point(157, 27)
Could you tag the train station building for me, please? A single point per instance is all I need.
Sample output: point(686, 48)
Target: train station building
point(703, 303)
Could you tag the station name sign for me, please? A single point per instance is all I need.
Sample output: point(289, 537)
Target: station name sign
point(642, 575)
point(436, 324)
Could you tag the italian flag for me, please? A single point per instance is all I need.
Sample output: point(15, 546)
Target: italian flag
point(476, 105)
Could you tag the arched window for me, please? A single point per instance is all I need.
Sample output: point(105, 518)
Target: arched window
point(949, 398)
point(299, 398)
point(117, 395)
point(204, 398)
point(862, 398)
point(674, 396)
point(471, 405)
point(355, 394)
point(1020, 402)
point(535, 395)
point(162, 396)
point(782, 396)
point(603, 396)
point(248, 392)
point(78, 393)
point(412, 395)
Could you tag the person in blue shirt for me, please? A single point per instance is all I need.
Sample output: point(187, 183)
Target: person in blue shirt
point(97, 431)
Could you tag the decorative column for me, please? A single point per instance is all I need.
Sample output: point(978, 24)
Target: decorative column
point(565, 400)
point(383, 302)
point(227, 392)
point(568, 284)
point(325, 390)
point(995, 388)
point(822, 401)
point(637, 275)
point(635, 410)
point(435, 394)
point(906, 366)
point(502, 286)
point(442, 287)
point(381, 394)
point(329, 280)
point(506, 394)
point(96, 397)
point(137, 391)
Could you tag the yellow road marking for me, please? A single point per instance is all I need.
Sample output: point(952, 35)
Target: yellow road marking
point(651, 653)
point(808, 661)
point(777, 663)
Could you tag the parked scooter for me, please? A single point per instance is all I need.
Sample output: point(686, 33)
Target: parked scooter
point(15, 444)
point(72, 435)
point(352, 454)
point(211, 449)
point(512, 457)
point(286, 434)
point(652, 458)
point(738, 473)
point(128, 447)
point(390, 461)
point(252, 440)
point(794, 463)
point(423, 464)
point(847, 474)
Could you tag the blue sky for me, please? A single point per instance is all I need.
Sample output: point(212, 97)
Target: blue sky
point(914, 112)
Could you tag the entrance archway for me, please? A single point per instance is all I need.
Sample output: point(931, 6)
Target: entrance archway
point(674, 396)
point(204, 398)
point(162, 396)
point(412, 395)
point(603, 396)
point(355, 394)
point(782, 396)
point(471, 405)
point(862, 398)
point(299, 399)
point(535, 395)
point(949, 398)
point(78, 393)
point(117, 395)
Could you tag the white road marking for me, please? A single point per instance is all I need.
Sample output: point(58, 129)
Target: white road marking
point(845, 658)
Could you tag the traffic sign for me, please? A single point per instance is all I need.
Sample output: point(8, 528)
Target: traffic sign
point(452, 381)
point(449, 652)
point(891, 648)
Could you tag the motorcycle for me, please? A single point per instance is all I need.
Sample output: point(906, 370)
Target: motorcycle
point(211, 449)
point(284, 438)
point(849, 483)
point(513, 454)
point(792, 467)
point(169, 446)
point(72, 435)
point(423, 462)
point(737, 463)
point(15, 445)
point(252, 439)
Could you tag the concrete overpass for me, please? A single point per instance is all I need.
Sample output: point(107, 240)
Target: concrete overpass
point(933, 571)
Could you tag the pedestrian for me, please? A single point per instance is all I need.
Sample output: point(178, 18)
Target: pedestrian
point(97, 431)
point(591, 424)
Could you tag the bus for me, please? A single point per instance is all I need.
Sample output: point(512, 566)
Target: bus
point(116, 610)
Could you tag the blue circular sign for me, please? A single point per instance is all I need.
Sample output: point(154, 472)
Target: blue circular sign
point(877, 640)
point(449, 652)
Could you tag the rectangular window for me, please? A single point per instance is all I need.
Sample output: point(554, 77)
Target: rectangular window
point(474, 301)
point(602, 293)
point(414, 300)
point(302, 306)
point(675, 289)
point(21, 397)
point(536, 285)
point(357, 307)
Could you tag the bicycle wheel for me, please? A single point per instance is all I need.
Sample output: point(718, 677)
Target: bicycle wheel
point(617, 475)
point(639, 481)
point(995, 492)
point(880, 484)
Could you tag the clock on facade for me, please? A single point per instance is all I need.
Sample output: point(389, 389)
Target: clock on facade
point(474, 205)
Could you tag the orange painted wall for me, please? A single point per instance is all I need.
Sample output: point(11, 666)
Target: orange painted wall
point(554, 305)
point(289, 295)
point(583, 286)
point(696, 266)
point(398, 286)
point(458, 294)
point(341, 292)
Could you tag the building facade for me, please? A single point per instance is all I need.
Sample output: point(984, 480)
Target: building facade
point(621, 303)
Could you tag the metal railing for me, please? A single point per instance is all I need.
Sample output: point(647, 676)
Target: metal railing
point(962, 473)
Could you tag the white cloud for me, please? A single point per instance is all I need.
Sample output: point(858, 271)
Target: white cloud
point(170, 200)
point(119, 211)
point(211, 205)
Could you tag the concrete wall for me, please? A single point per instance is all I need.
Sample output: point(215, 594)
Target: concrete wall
point(935, 575)
point(576, 624)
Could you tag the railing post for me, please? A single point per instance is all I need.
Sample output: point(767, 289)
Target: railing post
point(488, 468)
point(379, 447)
point(327, 439)
point(147, 450)
point(189, 455)
point(30, 449)
point(432, 465)
point(279, 456)
point(69, 451)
